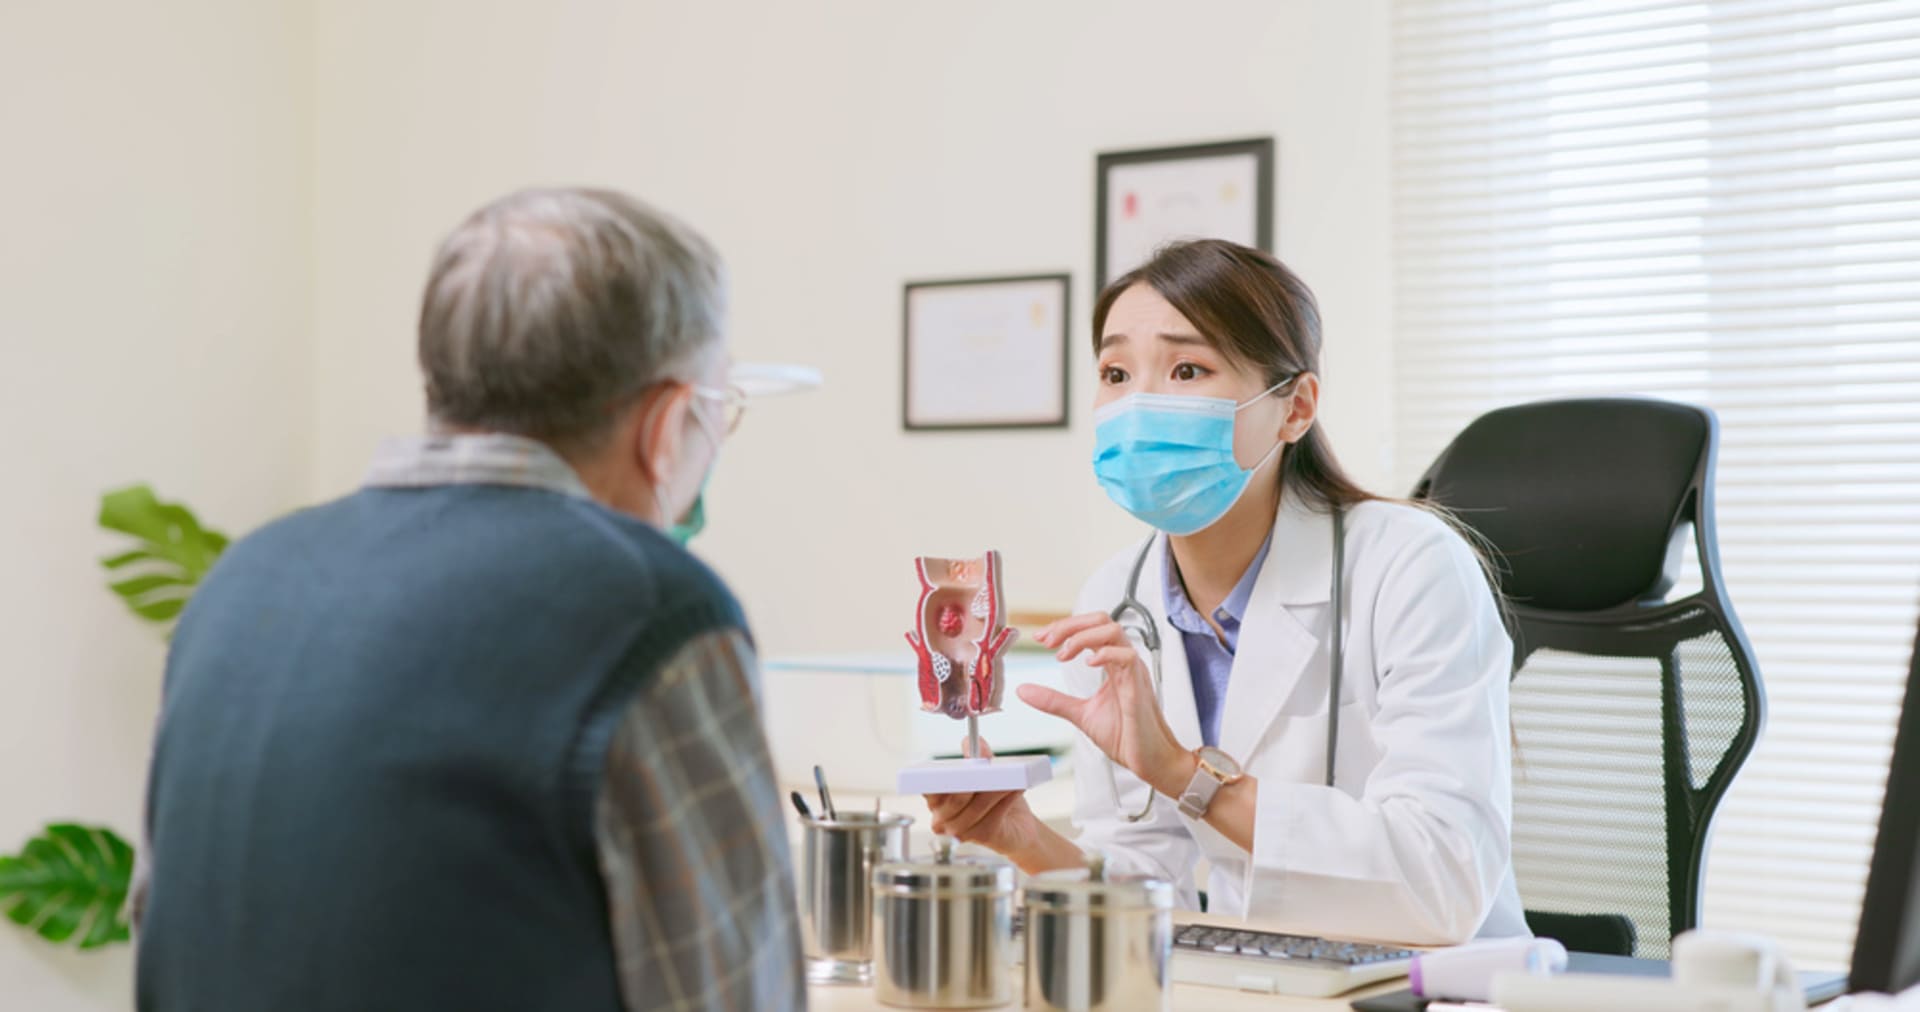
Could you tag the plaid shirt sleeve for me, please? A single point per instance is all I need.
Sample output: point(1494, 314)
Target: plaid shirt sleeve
point(692, 845)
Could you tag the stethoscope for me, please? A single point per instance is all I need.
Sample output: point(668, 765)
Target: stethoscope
point(1139, 624)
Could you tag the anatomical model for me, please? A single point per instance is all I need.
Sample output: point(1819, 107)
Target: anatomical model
point(959, 639)
point(959, 634)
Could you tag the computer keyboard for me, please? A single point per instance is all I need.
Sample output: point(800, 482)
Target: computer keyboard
point(1270, 963)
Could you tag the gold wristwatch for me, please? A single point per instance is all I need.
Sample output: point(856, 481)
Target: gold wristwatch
point(1217, 770)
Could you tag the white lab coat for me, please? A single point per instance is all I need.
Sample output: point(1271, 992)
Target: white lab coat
point(1412, 844)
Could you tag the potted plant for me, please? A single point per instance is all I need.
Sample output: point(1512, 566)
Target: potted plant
point(69, 883)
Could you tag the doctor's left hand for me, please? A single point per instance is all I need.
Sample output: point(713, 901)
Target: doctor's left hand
point(1122, 718)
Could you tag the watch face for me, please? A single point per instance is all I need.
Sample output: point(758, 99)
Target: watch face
point(1220, 761)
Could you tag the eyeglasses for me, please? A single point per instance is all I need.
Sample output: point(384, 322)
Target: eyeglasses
point(732, 401)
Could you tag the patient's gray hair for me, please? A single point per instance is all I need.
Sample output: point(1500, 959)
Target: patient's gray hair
point(549, 310)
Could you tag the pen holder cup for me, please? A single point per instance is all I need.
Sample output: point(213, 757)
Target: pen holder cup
point(838, 858)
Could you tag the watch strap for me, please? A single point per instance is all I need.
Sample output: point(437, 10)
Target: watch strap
point(1199, 793)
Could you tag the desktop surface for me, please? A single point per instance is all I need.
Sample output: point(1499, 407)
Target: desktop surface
point(1184, 998)
point(1053, 802)
point(1816, 985)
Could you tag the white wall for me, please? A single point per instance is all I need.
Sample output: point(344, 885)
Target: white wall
point(154, 317)
point(833, 150)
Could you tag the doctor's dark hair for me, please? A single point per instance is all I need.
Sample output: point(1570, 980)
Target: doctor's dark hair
point(1259, 314)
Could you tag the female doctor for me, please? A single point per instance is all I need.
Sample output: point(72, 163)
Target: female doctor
point(1300, 681)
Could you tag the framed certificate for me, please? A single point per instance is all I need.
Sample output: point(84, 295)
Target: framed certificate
point(986, 353)
point(1200, 191)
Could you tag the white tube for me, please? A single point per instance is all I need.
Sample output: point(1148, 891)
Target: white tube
point(1466, 972)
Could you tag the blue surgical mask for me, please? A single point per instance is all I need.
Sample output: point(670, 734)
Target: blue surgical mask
point(1168, 458)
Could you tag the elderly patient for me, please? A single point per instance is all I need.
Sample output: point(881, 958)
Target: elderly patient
point(482, 735)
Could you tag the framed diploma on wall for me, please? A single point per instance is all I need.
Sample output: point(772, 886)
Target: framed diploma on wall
point(985, 353)
point(1198, 191)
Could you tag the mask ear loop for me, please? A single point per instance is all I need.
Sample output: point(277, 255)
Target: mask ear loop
point(1237, 408)
point(666, 515)
point(1270, 455)
point(1278, 443)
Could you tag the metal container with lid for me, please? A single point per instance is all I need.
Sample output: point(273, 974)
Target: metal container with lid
point(1098, 943)
point(945, 931)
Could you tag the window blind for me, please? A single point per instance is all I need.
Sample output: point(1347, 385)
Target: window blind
point(1717, 203)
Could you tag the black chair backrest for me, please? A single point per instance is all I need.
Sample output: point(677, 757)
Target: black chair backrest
point(1631, 712)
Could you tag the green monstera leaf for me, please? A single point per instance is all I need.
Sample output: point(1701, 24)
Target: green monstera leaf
point(158, 575)
point(70, 882)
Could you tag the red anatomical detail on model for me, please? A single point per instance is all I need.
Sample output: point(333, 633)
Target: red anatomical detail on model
point(959, 629)
point(929, 688)
point(928, 681)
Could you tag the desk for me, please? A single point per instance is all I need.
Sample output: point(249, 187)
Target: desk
point(1053, 802)
point(836, 998)
point(1186, 998)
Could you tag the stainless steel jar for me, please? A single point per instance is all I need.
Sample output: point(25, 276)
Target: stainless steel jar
point(945, 931)
point(1096, 943)
point(836, 890)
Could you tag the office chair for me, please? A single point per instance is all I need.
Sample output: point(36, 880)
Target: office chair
point(1631, 712)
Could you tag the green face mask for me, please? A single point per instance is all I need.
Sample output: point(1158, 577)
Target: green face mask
point(693, 523)
point(696, 519)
